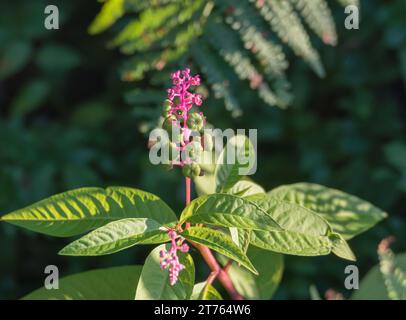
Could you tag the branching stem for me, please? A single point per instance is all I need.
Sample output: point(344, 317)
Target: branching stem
point(217, 271)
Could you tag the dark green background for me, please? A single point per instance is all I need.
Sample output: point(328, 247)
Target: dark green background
point(64, 124)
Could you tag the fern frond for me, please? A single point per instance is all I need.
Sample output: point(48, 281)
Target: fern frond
point(212, 69)
point(172, 25)
point(150, 20)
point(111, 11)
point(250, 26)
point(136, 68)
point(223, 39)
point(249, 35)
point(286, 23)
point(318, 16)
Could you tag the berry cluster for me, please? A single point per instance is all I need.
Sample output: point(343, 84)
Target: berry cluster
point(183, 124)
point(170, 258)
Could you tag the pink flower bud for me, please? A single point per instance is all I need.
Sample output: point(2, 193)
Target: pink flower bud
point(172, 234)
point(184, 248)
point(197, 99)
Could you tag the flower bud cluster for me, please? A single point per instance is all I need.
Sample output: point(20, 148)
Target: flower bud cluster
point(170, 259)
point(182, 121)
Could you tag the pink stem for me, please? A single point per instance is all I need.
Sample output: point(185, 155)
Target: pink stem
point(188, 191)
point(217, 271)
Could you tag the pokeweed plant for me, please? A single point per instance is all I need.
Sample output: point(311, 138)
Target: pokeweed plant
point(248, 229)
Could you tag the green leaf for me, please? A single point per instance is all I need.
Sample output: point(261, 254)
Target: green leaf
point(245, 188)
point(117, 283)
point(116, 236)
point(154, 281)
point(263, 285)
point(206, 184)
point(241, 237)
point(111, 11)
point(347, 214)
point(341, 247)
point(228, 211)
point(304, 232)
point(235, 161)
point(219, 242)
point(204, 291)
point(372, 286)
point(80, 210)
point(290, 242)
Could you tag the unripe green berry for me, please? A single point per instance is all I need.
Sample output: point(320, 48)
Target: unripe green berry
point(195, 121)
point(166, 108)
point(191, 170)
point(168, 124)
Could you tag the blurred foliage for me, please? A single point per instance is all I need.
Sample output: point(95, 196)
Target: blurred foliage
point(64, 124)
point(226, 40)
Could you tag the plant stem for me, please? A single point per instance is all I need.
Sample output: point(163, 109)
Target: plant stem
point(187, 182)
point(188, 193)
point(217, 271)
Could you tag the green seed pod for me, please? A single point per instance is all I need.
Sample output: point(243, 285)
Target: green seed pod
point(166, 108)
point(191, 170)
point(195, 121)
point(168, 124)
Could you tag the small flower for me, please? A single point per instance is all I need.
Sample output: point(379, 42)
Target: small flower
point(195, 81)
point(197, 99)
point(184, 248)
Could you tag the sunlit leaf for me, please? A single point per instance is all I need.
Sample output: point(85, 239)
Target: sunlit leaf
point(228, 211)
point(347, 214)
point(80, 210)
point(220, 242)
point(116, 236)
